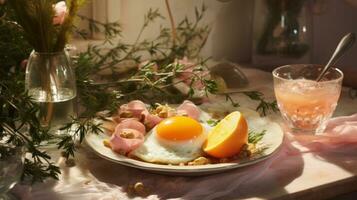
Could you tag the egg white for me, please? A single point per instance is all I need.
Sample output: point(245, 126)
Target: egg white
point(158, 150)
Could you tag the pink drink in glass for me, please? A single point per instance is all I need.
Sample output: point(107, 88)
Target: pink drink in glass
point(306, 104)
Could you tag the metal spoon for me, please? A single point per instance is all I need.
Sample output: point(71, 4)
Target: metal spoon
point(346, 43)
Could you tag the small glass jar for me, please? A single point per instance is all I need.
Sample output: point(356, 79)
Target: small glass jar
point(51, 83)
point(282, 32)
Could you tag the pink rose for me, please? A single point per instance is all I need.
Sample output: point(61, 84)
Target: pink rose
point(61, 11)
point(188, 71)
point(23, 63)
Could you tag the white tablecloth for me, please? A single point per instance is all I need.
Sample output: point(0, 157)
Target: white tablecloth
point(95, 178)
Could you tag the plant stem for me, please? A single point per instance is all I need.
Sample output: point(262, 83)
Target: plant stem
point(172, 22)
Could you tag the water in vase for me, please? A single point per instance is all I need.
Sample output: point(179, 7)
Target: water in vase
point(57, 107)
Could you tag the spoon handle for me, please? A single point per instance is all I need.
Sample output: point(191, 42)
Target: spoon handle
point(346, 43)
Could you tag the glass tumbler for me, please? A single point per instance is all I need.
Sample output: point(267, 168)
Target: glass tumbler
point(304, 103)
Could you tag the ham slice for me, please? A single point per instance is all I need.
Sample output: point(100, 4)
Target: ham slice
point(130, 123)
point(150, 120)
point(126, 140)
point(132, 109)
point(128, 135)
point(187, 108)
point(136, 110)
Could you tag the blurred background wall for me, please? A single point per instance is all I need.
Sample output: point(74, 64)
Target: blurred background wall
point(231, 37)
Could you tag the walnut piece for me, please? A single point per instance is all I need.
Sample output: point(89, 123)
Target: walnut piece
point(107, 143)
point(163, 111)
point(125, 114)
point(246, 151)
point(200, 161)
point(127, 134)
point(138, 189)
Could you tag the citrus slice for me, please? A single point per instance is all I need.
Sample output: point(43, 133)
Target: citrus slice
point(227, 137)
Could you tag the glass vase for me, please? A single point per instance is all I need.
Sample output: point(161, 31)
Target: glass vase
point(51, 83)
point(281, 32)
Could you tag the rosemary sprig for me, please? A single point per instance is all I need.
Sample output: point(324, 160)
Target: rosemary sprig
point(213, 122)
point(254, 137)
point(68, 143)
point(264, 107)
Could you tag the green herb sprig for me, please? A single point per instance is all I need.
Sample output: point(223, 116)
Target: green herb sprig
point(254, 137)
point(96, 90)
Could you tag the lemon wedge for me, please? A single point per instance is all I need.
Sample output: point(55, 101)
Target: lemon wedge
point(227, 137)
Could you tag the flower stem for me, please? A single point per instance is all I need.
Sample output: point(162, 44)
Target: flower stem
point(172, 22)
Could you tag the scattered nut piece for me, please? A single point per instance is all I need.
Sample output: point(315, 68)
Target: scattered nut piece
point(107, 143)
point(252, 148)
point(246, 151)
point(140, 189)
point(126, 114)
point(200, 161)
point(163, 114)
point(245, 147)
point(137, 189)
point(163, 111)
point(127, 134)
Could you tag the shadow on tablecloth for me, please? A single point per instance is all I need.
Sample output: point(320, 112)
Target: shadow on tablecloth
point(337, 145)
point(257, 180)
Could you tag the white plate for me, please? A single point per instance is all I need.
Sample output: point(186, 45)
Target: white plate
point(271, 140)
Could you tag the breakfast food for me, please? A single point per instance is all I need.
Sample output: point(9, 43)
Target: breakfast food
point(128, 135)
point(134, 120)
point(227, 137)
point(175, 140)
point(176, 136)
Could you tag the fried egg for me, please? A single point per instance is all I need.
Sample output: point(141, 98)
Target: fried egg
point(175, 140)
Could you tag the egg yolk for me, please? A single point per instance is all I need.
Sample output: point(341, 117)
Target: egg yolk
point(178, 128)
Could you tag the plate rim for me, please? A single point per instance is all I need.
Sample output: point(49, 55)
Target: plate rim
point(184, 170)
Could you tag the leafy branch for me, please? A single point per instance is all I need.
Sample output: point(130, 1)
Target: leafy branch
point(154, 80)
point(264, 107)
point(20, 126)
